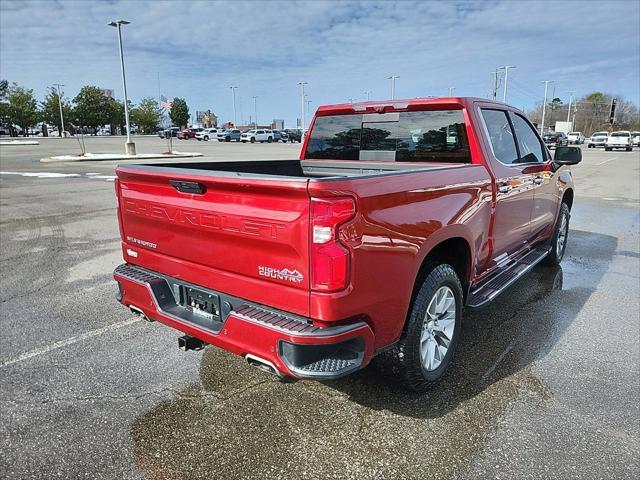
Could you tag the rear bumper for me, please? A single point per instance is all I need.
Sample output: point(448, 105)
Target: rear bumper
point(291, 343)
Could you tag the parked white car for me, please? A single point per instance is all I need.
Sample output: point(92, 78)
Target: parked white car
point(576, 138)
point(598, 139)
point(257, 136)
point(635, 138)
point(620, 139)
point(207, 134)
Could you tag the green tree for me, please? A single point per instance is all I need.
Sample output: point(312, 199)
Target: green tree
point(4, 103)
point(92, 108)
point(22, 107)
point(50, 109)
point(147, 115)
point(179, 113)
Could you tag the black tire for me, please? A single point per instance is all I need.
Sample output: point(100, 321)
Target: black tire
point(403, 362)
point(629, 149)
point(555, 255)
point(253, 140)
point(607, 149)
point(269, 140)
point(206, 138)
point(227, 139)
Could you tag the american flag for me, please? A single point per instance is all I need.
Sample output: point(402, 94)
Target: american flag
point(165, 103)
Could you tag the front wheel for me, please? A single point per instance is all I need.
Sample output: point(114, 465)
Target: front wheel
point(206, 139)
point(269, 140)
point(559, 239)
point(425, 350)
point(253, 140)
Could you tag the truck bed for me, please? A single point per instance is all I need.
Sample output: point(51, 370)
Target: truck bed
point(293, 169)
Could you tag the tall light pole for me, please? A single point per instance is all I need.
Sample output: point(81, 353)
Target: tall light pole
point(61, 132)
point(302, 84)
point(307, 103)
point(233, 95)
point(451, 89)
point(255, 111)
point(569, 109)
point(367, 93)
point(544, 104)
point(393, 85)
point(506, 80)
point(129, 146)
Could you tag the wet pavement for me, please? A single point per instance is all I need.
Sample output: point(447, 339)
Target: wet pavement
point(545, 383)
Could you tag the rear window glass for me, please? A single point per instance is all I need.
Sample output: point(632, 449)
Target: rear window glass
point(620, 134)
point(427, 136)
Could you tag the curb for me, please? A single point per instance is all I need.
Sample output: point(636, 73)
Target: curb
point(91, 157)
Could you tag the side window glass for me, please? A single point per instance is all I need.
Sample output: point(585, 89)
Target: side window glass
point(501, 135)
point(528, 141)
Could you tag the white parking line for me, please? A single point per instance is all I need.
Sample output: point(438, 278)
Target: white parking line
point(606, 161)
point(69, 341)
point(107, 178)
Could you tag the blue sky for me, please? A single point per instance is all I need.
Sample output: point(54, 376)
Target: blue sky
point(341, 49)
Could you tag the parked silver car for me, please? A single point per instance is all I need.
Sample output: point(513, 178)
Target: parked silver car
point(228, 135)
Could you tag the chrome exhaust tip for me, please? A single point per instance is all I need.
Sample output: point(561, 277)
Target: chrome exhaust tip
point(139, 313)
point(262, 364)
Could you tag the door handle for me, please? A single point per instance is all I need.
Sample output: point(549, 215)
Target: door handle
point(537, 180)
point(504, 188)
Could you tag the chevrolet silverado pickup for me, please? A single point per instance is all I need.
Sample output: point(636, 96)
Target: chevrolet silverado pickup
point(396, 217)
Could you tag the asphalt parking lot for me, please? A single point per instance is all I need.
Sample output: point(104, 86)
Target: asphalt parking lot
point(545, 384)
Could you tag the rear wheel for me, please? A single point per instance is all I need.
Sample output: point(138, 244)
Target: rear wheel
point(560, 236)
point(269, 140)
point(607, 149)
point(424, 352)
point(227, 139)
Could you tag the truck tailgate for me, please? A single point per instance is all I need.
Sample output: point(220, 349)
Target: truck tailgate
point(247, 237)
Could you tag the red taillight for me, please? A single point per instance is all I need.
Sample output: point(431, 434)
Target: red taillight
point(330, 260)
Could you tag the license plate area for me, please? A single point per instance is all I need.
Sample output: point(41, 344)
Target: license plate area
point(205, 305)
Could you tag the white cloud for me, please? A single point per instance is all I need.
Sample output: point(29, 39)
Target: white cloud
point(340, 48)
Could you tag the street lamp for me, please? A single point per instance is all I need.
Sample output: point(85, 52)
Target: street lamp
point(506, 80)
point(129, 147)
point(255, 111)
point(302, 84)
point(451, 89)
point(544, 104)
point(61, 133)
point(393, 85)
point(367, 93)
point(233, 94)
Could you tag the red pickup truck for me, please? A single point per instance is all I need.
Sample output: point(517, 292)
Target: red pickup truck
point(397, 216)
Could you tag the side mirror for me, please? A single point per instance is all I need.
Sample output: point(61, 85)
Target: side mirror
point(567, 156)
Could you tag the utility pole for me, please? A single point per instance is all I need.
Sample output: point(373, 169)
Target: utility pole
point(255, 111)
point(451, 89)
point(61, 132)
point(393, 85)
point(233, 95)
point(544, 104)
point(129, 147)
point(367, 93)
point(302, 120)
point(569, 109)
point(495, 84)
point(506, 80)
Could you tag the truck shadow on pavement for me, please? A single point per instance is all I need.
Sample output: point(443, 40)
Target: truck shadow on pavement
point(501, 341)
point(240, 422)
